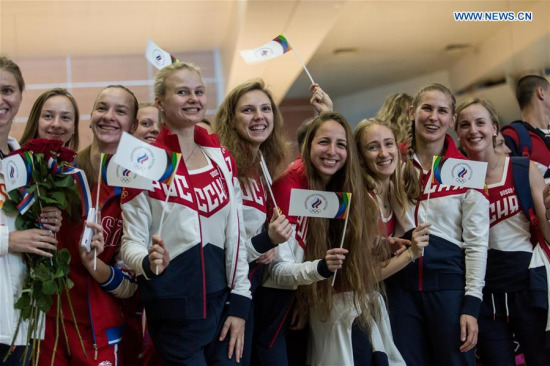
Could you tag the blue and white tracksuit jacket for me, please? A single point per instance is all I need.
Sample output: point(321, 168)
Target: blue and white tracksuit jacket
point(454, 260)
point(196, 269)
point(507, 302)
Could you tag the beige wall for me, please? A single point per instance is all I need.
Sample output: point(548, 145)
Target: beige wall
point(84, 77)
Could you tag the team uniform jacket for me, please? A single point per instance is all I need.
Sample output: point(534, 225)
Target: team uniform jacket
point(460, 223)
point(510, 248)
point(95, 304)
point(288, 270)
point(202, 231)
point(13, 271)
point(254, 217)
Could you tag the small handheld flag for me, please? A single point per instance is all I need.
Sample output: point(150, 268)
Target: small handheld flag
point(157, 56)
point(459, 172)
point(115, 175)
point(310, 203)
point(145, 160)
point(272, 49)
point(17, 170)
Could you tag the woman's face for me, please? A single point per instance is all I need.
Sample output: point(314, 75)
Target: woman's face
point(328, 151)
point(475, 129)
point(379, 151)
point(112, 115)
point(10, 98)
point(57, 119)
point(184, 103)
point(147, 126)
point(500, 146)
point(254, 117)
point(433, 116)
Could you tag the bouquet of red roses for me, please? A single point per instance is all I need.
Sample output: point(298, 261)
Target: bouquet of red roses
point(50, 180)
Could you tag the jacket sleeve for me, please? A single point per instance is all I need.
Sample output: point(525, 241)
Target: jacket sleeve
point(236, 257)
point(288, 269)
point(4, 240)
point(475, 234)
point(120, 283)
point(136, 237)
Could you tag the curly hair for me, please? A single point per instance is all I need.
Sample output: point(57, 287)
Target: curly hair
point(361, 269)
point(396, 111)
point(274, 148)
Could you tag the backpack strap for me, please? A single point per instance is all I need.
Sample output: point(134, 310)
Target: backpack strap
point(524, 148)
point(520, 172)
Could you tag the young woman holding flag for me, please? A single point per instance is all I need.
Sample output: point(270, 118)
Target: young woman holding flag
point(97, 280)
point(188, 271)
point(250, 125)
point(508, 306)
point(434, 302)
point(310, 258)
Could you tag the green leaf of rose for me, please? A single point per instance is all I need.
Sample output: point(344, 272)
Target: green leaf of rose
point(49, 287)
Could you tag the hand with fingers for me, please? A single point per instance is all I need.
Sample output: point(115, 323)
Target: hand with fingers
point(420, 239)
point(235, 327)
point(279, 228)
point(267, 257)
point(468, 332)
point(35, 241)
point(335, 258)
point(51, 218)
point(397, 245)
point(97, 245)
point(320, 100)
point(159, 257)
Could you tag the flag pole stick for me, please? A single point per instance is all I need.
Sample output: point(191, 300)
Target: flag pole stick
point(268, 180)
point(300, 60)
point(343, 235)
point(164, 206)
point(97, 203)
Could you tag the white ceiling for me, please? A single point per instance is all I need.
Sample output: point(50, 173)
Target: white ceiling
point(395, 40)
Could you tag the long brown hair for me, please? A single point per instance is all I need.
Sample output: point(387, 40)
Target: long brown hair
point(274, 148)
point(361, 270)
point(397, 187)
point(31, 128)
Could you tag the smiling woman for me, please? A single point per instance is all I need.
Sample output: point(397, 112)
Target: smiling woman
point(203, 248)
point(96, 286)
point(54, 116)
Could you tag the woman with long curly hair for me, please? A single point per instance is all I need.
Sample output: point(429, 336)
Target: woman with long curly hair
point(250, 125)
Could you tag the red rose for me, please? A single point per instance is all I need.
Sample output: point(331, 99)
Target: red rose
point(66, 154)
point(43, 146)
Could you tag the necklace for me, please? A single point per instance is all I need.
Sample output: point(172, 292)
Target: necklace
point(192, 152)
point(384, 203)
